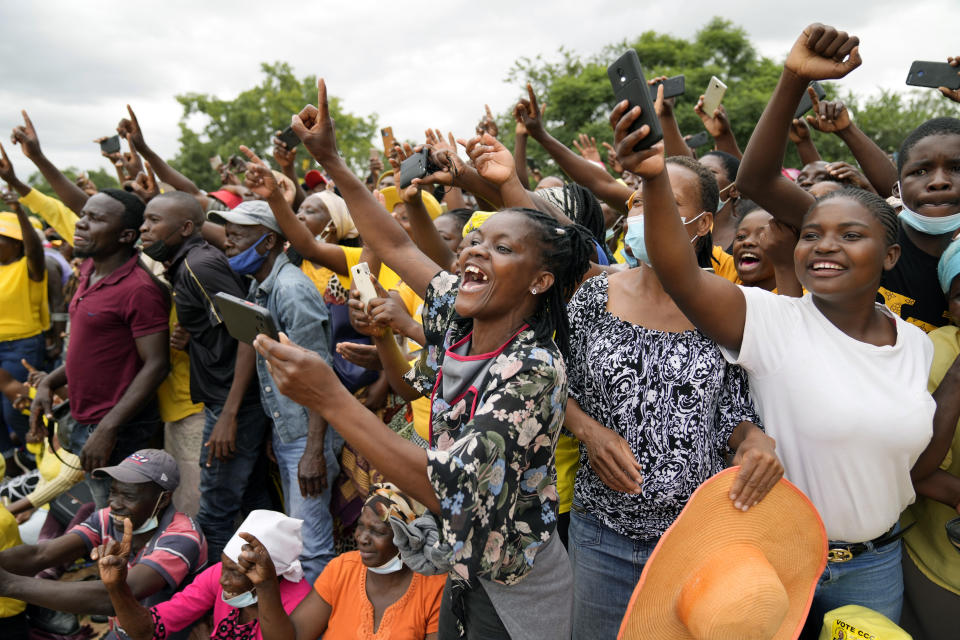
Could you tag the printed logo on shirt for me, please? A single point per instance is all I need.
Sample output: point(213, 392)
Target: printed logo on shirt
point(896, 301)
point(845, 631)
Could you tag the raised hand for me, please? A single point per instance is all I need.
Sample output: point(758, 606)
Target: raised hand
point(284, 157)
point(6, 167)
point(487, 123)
point(26, 137)
point(259, 177)
point(849, 174)
point(586, 146)
point(362, 355)
point(443, 152)
point(255, 561)
point(529, 113)
point(129, 161)
point(647, 163)
point(612, 158)
point(799, 131)
point(492, 160)
point(716, 123)
point(823, 53)
point(953, 94)
point(145, 184)
point(666, 105)
point(111, 558)
point(828, 116)
point(359, 317)
point(315, 128)
point(131, 131)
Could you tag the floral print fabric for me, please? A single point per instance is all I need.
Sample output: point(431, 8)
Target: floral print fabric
point(671, 396)
point(493, 471)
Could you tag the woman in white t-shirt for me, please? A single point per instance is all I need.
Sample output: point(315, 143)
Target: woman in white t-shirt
point(838, 380)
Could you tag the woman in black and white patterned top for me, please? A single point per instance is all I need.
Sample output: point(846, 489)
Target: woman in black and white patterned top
point(656, 409)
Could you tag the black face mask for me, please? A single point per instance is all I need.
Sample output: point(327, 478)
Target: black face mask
point(160, 250)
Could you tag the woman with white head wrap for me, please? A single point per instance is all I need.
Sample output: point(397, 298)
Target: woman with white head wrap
point(228, 587)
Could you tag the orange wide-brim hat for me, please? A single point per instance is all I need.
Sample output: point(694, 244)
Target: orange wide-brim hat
point(719, 573)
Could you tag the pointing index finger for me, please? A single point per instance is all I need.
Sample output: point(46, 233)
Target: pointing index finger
point(26, 120)
point(127, 540)
point(324, 112)
point(133, 116)
point(3, 153)
point(534, 109)
point(250, 154)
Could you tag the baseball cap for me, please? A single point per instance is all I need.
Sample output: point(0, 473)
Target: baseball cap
point(313, 178)
point(10, 226)
point(226, 197)
point(145, 465)
point(247, 214)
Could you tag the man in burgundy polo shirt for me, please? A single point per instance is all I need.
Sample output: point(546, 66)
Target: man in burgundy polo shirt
point(118, 353)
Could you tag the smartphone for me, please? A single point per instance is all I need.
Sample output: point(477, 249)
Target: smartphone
point(110, 145)
point(672, 87)
point(374, 154)
point(361, 280)
point(806, 103)
point(389, 142)
point(216, 163)
point(698, 140)
point(289, 138)
point(713, 96)
point(416, 166)
point(626, 77)
point(933, 75)
point(245, 320)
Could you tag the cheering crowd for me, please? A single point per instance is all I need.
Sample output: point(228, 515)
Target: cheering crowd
point(487, 403)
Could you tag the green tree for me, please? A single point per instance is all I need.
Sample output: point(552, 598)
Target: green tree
point(254, 116)
point(579, 98)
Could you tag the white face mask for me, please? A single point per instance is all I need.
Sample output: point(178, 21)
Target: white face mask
point(245, 599)
point(928, 224)
point(149, 524)
point(392, 565)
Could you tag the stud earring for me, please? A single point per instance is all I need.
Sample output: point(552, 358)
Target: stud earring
point(533, 291)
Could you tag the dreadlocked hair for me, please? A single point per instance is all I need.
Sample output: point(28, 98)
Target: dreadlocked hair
point(567, 251)
point(873, 203)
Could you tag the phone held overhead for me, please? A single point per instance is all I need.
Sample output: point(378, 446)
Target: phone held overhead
point(713, 96)
point(626, 77)
point(933, 75)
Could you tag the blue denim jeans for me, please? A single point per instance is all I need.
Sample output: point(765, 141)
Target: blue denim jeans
point(11, 352)
point(232, 488)
point(873, 579)
point(606, 569)
point(315, 512)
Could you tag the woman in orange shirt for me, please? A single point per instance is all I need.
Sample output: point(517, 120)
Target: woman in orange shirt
point(364, 594)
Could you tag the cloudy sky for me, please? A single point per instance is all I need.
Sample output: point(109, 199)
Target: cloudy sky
point(73, 66)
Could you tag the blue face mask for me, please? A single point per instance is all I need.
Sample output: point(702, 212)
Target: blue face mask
point(930, 225)
point(633, 238)
point(239, 602)
point(249, 261)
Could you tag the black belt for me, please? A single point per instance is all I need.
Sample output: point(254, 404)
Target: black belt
point(847, 552)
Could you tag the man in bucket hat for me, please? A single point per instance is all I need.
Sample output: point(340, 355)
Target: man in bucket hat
point(167, 548)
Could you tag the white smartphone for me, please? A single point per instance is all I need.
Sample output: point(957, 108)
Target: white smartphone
point(713, 95)
point(361, 279)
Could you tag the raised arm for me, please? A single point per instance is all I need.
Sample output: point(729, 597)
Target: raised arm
point(26, 136)
point(580, 170)
point(32, 247)
point(260, 180)
point(833, 117)
point(715, 305)
point(718, 126)
point(673, 142)
point(286, 159)
point(800, 136)
point(820, 53)
point(377, 227)
point(130, 129)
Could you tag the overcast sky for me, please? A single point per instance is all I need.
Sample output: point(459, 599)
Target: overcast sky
point(73, 66)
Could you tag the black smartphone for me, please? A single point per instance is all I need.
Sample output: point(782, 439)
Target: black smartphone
point(933, 75)
point(236, 164)
point(245, 320)
point(698, 140)
point(806, 103)
point(416, 166)
point(626, 77)
point(110, 145)
point(672, 87)
point(289, 138)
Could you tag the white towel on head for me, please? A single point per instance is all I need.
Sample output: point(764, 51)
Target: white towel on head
point(279, 534)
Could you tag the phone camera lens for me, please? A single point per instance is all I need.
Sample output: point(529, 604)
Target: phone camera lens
point(920, 74)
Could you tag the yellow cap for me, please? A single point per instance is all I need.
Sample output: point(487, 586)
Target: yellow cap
point(430, 203)
point(10, 226)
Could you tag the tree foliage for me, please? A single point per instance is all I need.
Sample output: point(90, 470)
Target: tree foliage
point(579, 97)
point(252, 118)
point(100, 177)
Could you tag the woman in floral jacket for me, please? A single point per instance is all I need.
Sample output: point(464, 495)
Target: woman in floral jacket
point(498, 395)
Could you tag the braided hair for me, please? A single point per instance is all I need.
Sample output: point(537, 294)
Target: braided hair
point(567, 251)
point(709, 198)
point(873, 203)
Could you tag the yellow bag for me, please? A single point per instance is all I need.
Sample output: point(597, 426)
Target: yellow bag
point(853, 622)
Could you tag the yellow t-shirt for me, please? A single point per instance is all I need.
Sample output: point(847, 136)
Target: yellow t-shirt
point(724, 266)
point(24, 310)
point(568, 463)
point(173, 394)
point(9, 537)
point(926, 542)
point(55, 213)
